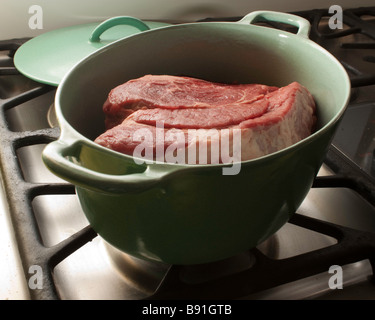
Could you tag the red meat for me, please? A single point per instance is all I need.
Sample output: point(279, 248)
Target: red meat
point(175, 113)
point(174, 93)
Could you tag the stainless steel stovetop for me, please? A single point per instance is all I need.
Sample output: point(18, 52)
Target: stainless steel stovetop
point(43, 228)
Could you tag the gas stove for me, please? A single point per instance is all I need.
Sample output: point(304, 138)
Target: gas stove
point(325, 251)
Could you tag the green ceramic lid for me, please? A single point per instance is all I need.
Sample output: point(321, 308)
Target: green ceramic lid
point(48, 57)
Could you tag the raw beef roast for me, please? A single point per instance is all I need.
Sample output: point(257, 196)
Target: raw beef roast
point(173, 113)
point(176, 93)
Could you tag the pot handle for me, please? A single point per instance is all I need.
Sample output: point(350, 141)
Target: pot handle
point(115, 21)
point(303, 25)
point(59, 156)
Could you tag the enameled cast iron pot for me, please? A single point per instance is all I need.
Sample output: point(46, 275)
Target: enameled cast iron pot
point(190, 214)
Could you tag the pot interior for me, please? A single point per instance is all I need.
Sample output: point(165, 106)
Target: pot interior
point(224, 52)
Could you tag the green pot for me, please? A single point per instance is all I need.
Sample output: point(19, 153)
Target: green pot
point(190, 214)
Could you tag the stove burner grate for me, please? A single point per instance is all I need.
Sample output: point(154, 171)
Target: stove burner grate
point(352, 246)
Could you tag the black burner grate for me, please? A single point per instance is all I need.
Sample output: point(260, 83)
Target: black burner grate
point(359, 23)
point(352, 245)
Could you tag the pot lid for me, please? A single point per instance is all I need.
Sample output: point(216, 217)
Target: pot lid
point(49, 56)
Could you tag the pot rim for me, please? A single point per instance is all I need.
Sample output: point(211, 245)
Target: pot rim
point(70, 136)
point(301, 38)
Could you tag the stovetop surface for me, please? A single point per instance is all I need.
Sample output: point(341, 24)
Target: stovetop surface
point(51, 230)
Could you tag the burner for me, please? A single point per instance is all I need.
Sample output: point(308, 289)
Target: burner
point(143, 275)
